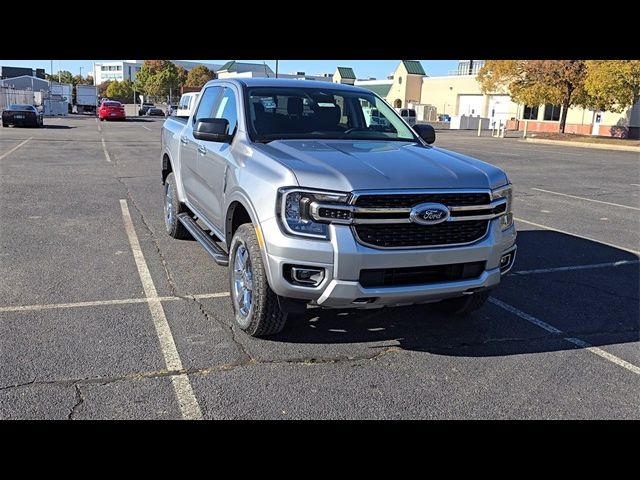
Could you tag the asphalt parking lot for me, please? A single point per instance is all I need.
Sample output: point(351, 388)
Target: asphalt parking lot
point(103, 315)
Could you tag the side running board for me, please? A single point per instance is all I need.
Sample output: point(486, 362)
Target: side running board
point(204, 239)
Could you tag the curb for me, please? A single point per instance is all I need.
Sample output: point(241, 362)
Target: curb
point(598, 146)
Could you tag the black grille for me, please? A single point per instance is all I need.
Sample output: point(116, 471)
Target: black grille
point(387, 277)
point(407, 200)
point(414, 235)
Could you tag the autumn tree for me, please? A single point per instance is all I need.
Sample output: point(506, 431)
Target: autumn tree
point(535, 82)
point(198, 76)
point(613, 85)
point(159, 77)
point(102, 88)
point(121, 91)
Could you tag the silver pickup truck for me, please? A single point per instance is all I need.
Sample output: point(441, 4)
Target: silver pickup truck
point(309, 202)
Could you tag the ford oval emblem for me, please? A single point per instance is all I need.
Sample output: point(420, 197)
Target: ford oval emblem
point(429, 214)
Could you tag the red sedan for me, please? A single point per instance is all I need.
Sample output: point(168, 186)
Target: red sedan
point(111, 110)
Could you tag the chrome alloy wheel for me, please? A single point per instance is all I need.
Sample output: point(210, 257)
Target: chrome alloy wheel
point(242, 281)
point(168, 207)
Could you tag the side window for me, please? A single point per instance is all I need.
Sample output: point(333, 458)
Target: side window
point(227, 109)
point(208, 101)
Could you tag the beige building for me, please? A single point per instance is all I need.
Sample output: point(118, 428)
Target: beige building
point(344, 75)
point(407, 84)
point(460, 94)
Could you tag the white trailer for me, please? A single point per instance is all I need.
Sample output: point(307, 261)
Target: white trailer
point(64, 91)
point(86, 98)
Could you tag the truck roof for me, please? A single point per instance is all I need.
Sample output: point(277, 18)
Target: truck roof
point(286, 82)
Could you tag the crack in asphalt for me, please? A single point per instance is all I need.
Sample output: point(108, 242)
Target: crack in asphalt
point(78, 404)
point(103, 381)
point(211, 317)
point(172, 284)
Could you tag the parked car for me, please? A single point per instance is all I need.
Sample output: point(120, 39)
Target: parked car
point(155, 112)
point(111, 110)
point(22, 115)
point(143, 109)
point(309, 205)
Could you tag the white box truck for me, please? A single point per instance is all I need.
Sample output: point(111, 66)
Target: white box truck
point(86, 98)
point(64, 91)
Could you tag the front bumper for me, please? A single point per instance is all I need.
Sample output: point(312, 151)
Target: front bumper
point(343, 257)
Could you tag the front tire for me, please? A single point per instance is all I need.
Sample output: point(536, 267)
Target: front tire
point(172, 208)
point(256, 307)
point(464, 305)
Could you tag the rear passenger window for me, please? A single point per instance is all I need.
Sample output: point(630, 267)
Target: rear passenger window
point(208, 101)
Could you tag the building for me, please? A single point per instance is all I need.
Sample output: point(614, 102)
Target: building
point(344, 75)
point(244, 69)
point(128, 69)
point(403, 87)
point(460, 94)
point(26, 82)
point(12, 72)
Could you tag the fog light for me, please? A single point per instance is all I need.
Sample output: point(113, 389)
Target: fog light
point(307, 276)
point(505, 262)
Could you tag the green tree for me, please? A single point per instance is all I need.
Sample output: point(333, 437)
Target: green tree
point(613, 85)
point(102, 88)
point(63, 76)
point(535, 82)
point(78, 80)
point(121, 91)
point(156, 77)
point(198, 76)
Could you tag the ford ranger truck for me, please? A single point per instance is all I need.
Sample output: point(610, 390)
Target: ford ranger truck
point(309, 202)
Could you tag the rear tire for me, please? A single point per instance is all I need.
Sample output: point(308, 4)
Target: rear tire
point(4, 125)
point(172, 208)
point(256, 307)
point(464, 305)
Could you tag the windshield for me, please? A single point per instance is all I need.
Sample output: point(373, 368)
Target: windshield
point(23, 108)
point(290, 113)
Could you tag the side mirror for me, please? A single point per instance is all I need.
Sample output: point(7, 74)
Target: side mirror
point(425, 132)
point(212, 130)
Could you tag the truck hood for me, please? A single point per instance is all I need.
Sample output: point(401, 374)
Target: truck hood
point(347, 165)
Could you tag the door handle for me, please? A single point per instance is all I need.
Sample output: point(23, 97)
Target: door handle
point(202, 149)
point(184, 140)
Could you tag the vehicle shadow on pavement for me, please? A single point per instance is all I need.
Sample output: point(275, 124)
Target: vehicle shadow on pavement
point(57, 127)
point(598, 305)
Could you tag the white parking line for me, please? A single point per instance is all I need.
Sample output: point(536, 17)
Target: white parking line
point(104, 148)
point(587, 199)
point(145, 127)
point(576, 235)
point(577, 267)
point(187, 401)
point(576, 341)
point(635, 184)
point(15, 148)
point(99, 303)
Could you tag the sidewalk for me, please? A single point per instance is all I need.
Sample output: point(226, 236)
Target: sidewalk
point(600, 146)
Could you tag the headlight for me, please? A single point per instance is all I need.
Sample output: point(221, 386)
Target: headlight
point(293, 208)
point(506, 220)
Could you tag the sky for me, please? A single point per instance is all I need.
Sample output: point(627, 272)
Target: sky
point(362, 68)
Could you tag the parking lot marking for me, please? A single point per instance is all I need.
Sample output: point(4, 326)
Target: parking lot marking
point(145, 127)
point(575, 341)
point(636, 252)
point(187, 401)
point(15, 148)
point(106, 153)
point(635, 184)
point(584, 198)
point(99, 303)
point(577, 267)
